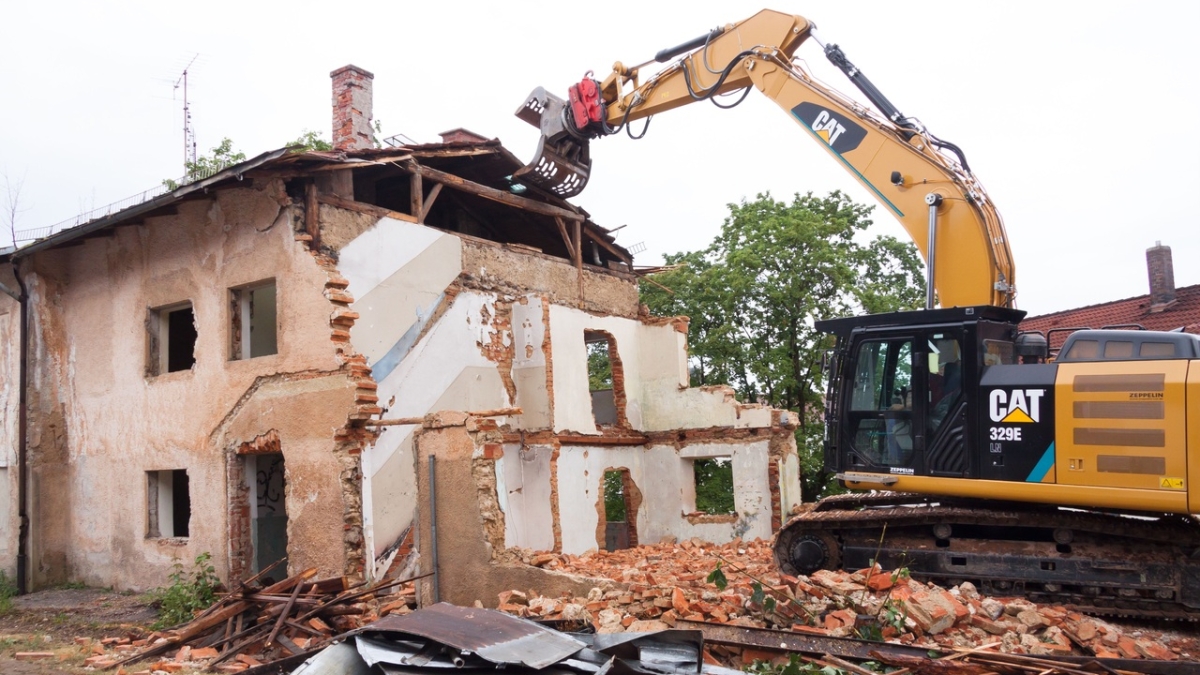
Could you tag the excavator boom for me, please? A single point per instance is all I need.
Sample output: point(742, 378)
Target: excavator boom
point(922, 181)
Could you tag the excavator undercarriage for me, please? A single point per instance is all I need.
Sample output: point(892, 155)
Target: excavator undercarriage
point(1096, 562)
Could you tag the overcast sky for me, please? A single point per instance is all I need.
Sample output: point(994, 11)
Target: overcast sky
point(1078, 117)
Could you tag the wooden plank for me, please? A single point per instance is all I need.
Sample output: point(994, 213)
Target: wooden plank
point(464, 185)
point(579, 257)
point(562, 231)
point(284, 614)
point(433, 195)
point(417, 191)
point(623, 257)
point(311, 225)
point(362, 207)
point(632, 439)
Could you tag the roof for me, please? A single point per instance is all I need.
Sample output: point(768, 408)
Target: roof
point(478, 173)
point(1183, 313)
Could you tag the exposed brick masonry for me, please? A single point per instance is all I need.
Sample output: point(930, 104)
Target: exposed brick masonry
point(1162, 276)
point(352, 108)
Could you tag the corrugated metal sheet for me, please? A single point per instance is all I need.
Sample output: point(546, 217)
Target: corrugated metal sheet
point(494, 636)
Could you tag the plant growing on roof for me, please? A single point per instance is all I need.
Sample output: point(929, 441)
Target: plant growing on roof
point(217, 159)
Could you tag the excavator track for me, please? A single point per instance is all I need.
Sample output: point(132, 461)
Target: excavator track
point(1105, 563)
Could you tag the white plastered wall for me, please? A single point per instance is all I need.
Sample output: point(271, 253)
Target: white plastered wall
point(654, 360)
point(399, 273)
point(665, 478)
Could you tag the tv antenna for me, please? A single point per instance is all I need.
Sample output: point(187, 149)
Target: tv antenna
point(189, 135)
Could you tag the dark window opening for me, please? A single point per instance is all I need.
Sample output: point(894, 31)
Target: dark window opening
point(254, 321)
point(714, 485)
point(601, 357)
point(181, 339)
point(168, 503)
point(621, 501)
point(614, 497)
point(172, 339)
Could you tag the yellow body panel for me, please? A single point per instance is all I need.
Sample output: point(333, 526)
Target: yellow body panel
point(1122, 433)
point(1193, 436)
point(1122, 424)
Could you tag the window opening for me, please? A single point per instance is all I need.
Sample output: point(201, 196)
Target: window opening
point(268, 508)
point(172, 339)
point(254, 321)
point(614, 497)
point(714, 485)
point(168, 503)
point(601, 350)
point(621, 501)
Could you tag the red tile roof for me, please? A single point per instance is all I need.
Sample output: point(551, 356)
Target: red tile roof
point(1183, 313)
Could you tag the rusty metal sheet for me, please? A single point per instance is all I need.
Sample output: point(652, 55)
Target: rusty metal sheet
point(494, 636)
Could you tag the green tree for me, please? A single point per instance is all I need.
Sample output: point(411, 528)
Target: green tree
point(599, 366)
point(754, 293)
point(714, 485)
point(614, 496)
point(309, 141)
point(217, 159)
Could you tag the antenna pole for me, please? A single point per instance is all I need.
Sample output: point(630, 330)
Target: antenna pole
point(189, 136)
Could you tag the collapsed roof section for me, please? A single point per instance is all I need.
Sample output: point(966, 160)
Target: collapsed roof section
point(462, 187)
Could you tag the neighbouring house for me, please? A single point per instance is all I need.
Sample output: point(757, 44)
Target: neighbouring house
point(1165, 307)
point(263, 363)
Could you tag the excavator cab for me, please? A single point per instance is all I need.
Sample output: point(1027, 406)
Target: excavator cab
point(903, 389)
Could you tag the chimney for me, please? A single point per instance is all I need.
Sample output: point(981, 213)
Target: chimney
point(352, 108)
point(461, 135)
point(1162, 276)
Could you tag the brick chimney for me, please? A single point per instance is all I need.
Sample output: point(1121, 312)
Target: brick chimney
point(461, 135)
point(1162, 276)
point(352, 108)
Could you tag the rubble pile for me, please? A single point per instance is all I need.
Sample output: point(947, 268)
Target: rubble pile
point(663, 584)
point(255, 625)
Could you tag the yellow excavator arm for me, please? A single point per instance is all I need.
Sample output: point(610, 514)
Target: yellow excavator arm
point(924, 182)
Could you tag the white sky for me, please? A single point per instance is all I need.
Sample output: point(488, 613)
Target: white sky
point(1079, 117)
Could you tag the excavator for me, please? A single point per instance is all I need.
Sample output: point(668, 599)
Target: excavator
point(971, 453)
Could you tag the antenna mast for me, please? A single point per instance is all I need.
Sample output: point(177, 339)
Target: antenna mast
point(189, 135)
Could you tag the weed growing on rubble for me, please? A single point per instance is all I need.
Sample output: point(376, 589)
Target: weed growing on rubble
point(717, 578)
point(8, 591)
point(178, 601)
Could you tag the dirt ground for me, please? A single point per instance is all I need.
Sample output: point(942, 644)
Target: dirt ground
point(58, 620)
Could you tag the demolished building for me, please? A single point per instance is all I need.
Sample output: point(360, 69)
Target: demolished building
point(262, 363)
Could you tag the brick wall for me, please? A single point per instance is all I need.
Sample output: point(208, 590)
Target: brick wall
point(352, 108)
point(1162, 276)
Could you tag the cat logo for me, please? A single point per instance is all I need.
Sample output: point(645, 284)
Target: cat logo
point(1020, 406)
point(840, 132)
point(827, 127)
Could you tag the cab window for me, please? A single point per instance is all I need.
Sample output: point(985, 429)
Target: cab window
point(882, 398)
point(945, 378)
